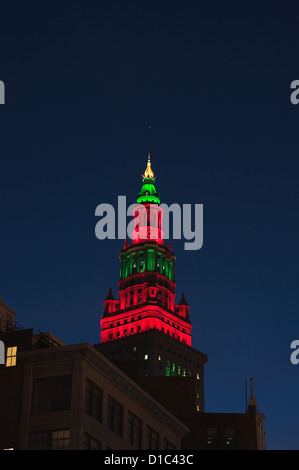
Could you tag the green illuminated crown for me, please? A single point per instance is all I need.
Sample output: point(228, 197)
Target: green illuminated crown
point(148, 192)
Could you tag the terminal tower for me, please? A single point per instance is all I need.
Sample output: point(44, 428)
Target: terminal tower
point(144, 326)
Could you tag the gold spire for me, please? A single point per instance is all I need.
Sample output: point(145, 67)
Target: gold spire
point(149, 172)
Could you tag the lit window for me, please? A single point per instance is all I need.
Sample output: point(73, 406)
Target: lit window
point(146, 356)
point(230, 438)
point(212, 438)
point(159, 358)
point(11, 357)
point(197, 408)
point(197, 376)
point(61, 439)
point(46, 440)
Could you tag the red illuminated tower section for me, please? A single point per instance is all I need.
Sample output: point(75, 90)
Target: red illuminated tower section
point(147, 278)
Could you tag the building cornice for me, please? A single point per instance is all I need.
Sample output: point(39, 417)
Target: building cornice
point(119, 378)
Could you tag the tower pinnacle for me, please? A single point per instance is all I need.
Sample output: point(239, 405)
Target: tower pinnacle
point(148, 192)
point(149, 172)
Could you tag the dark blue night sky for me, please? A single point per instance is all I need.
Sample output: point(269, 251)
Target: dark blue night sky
point(83, 82)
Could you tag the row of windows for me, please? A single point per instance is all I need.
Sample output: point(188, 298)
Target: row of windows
point(93, 407)
point(60, 439)
point(54, 394)
point(221, 438)
point(171, 369)
point(137, 263)
point(135, 330)
point(50, 440)
point(145, 346)
point(137, 296)
point(138, 329)
point(133, 319)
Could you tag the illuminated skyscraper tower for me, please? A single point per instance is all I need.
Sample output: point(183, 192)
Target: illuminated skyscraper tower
point(145, 324)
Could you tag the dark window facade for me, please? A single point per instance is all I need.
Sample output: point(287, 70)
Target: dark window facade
point(152, 438)
point(93, 400)
point(167, 445)
point(213, 438)
point(135, 430)
point(115, 415)
point(90, 443)
point(51, 394)
point(50, 440)
point(230, 438)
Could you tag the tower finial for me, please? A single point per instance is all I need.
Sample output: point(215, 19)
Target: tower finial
point(149, 172)
point(149, 143)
